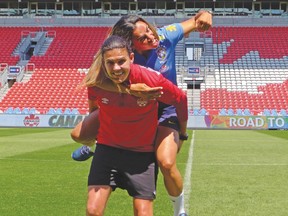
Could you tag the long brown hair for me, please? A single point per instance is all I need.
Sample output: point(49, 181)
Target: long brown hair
point(123, 28)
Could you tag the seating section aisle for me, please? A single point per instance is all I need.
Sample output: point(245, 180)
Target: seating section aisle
point(73, 47)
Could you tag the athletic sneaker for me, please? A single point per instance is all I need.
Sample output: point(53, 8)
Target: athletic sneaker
point(183, 214)
point(82, 154)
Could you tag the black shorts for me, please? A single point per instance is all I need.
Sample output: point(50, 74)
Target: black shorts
point(133, 171)
point(167, 116)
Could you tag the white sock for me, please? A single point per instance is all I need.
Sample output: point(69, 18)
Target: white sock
point(178, 204)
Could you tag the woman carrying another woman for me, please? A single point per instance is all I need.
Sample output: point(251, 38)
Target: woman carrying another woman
point(125, 153)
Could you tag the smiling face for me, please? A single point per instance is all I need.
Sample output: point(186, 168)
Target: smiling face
point(117, 63)
point(143, 38)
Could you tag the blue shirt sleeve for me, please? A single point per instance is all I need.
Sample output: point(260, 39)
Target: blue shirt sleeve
point(172, 33)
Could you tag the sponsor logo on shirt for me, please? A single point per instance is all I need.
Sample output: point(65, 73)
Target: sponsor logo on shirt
point(161, 37)
point(171, 28)
point(105, 100)
point(171, 122)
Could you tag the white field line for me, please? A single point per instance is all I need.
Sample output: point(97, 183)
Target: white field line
point(188, 174)
point(188, 170)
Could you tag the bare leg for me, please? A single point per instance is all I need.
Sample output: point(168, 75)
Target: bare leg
point(166, 152)
point(97, 200)
point(87, 130)
point(142, 207)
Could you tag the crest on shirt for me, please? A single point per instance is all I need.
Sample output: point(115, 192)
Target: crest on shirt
point(105, 100)
point(161, 53)
point(142, 102)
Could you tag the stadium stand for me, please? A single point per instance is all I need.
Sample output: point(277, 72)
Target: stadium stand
point(73, 47)
point(248, 76)
point(251, 70)
point(54, 82)
point(9, 41)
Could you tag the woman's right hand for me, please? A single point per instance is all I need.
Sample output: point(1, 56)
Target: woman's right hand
point(143, 91)
point(203, 20)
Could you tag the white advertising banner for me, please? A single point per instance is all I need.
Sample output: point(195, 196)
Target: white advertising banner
point(32, 120)
point(194, 122)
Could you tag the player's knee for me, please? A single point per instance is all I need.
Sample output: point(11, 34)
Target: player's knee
point(166, 164)
point(91, 210)
point(143, 210)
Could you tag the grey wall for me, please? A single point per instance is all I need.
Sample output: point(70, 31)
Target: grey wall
point(159, 21)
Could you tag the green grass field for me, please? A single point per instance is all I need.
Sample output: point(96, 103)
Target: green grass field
point(226, 173)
